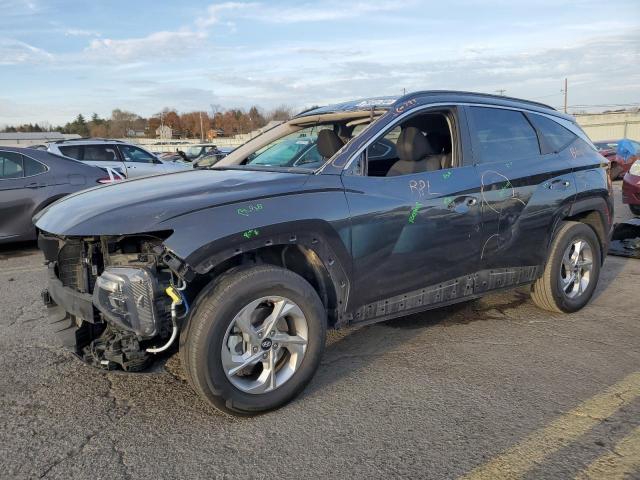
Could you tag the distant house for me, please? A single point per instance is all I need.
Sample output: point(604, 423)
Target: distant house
point(164, 132)
point(25, 139)
point(135, 133)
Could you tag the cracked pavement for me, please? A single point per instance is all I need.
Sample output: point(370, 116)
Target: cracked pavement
point(430, 395)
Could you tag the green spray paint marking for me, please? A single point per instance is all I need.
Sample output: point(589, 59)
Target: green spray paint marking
point(503, 191)
point(446, 175)
point(414, 212)
point(246, 211)
point(508, 164)
point(447, 201)
point(251, 233)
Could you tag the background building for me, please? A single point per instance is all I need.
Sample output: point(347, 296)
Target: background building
point(610, 125)
point(22, 139)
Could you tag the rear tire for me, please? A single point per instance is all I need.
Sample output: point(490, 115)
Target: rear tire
point(239, 361)
point(635, 209)
point(572, 270)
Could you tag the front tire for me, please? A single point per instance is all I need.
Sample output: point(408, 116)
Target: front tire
point(254, 339)
point(572, 270)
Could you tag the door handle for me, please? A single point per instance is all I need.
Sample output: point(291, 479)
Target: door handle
point(33, 185)
point(558, 183)
point(462, 204)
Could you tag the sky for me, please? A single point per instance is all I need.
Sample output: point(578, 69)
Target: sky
point(60, 58)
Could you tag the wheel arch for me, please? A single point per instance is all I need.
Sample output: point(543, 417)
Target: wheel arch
point(595, 213)
point(310, 255)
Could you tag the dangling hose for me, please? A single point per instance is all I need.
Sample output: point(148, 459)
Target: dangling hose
point(176, 299)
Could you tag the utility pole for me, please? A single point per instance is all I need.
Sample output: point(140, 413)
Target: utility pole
point(201, 129)
point(565, 95)
point(501, 91)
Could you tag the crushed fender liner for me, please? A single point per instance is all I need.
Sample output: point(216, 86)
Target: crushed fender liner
point(625, 239)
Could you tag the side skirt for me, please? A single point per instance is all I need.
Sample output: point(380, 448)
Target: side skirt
point(446, 293)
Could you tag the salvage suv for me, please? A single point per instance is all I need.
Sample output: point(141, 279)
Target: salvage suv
point(427, 200)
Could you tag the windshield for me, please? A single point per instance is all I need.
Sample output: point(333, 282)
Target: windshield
point(193, 151)
point(285, 153)
point(294, 144)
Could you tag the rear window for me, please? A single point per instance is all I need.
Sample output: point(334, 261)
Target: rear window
point(556, 137)
point(503, 135)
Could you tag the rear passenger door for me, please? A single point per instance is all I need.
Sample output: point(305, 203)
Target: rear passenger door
point(524, 188)
point(140, 163)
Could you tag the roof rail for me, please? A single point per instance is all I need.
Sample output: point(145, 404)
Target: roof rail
point(478, 94)
point(84, 139)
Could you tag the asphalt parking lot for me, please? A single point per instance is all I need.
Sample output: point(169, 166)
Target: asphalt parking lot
point(485, 389)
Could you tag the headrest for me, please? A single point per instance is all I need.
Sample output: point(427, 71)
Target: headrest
point(412, 145)
point(329, 143)
point(441, 143)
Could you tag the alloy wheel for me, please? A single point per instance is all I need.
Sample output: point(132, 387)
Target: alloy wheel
point(575, 270)
point(265, 344)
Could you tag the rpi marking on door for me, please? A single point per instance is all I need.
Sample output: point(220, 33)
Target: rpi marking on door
point(421, 187)
point(246, 211)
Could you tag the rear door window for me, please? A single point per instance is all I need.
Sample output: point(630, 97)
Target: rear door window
point(502, 135)
point(11, 165)
point(72, 151)
point(100, 153)
point(556, 137)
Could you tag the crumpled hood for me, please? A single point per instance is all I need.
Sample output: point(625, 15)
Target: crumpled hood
point(151, 203)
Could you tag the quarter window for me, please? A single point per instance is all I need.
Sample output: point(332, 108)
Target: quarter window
point(31, 167)
point(556, 137)
point(11, 165)
point(502, 135)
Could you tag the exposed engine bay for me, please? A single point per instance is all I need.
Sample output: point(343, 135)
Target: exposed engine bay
point(113, 301)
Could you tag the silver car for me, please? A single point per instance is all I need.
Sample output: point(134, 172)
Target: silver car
point(119, 159)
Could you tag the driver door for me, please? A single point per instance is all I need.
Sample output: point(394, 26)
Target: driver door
point(415, 237)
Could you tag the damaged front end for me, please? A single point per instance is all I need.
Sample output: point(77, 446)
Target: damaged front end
point(113, 300)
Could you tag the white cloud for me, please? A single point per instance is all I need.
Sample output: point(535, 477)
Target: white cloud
point(215, 11)
point(15, 52)
point(156, 45)
point(78, 32)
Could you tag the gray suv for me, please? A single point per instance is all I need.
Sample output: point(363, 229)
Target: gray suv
point(119, 159)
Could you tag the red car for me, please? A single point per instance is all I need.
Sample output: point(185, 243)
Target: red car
point(631, 188)
point(618, 165)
